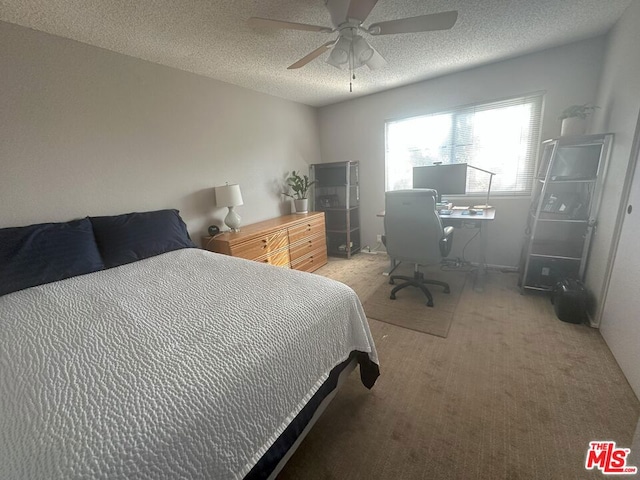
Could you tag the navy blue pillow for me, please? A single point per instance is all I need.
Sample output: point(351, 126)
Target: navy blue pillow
point(45, 253)
point(134, 236)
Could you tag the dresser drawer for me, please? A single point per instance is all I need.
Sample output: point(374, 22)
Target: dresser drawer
point(253, 249)
point(311, 262)
point(311, 228)
point(277, 259)
point(305, 247)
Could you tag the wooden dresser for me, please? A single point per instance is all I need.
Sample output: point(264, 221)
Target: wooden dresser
point(292, 241)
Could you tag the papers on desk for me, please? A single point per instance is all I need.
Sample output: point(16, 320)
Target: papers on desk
point(444, 205)
point(457, 211)
point(464, 207)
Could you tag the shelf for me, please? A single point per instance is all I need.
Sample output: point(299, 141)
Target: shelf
point(564, 250)
point(541, 288)
point(343, 253)
point(544, 272)
point(582, 180)
point(337, 209)
point(558, 218)
point(559, 225)
point(337, 195)
point(355, 229)
point(559, 257)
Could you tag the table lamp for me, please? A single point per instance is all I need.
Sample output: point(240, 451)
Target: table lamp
point(230, 196)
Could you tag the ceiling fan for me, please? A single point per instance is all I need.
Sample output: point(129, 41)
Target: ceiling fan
point(350, 50)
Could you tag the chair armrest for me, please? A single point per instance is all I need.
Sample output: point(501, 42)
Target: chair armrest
point(446, 241)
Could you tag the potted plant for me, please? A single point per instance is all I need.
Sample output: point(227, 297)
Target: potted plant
point(300, 185)
point(574, 119)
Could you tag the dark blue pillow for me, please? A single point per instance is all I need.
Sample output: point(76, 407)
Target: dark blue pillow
point(134, 236)
point(45, 253)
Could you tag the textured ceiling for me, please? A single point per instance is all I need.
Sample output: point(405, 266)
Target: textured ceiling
point(212, 38)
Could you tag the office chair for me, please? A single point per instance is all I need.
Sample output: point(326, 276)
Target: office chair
point(414, 233)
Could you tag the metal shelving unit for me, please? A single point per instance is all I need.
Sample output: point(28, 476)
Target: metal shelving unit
point(337, 194)
point(564, 209)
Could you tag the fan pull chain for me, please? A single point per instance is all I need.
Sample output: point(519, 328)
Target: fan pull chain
point(351, 74)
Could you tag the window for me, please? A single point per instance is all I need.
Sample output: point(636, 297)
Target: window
point(501, 137)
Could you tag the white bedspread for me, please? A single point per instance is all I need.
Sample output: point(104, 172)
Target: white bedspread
point(186, 365)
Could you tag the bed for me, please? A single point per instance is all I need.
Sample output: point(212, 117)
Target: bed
point(176, 364)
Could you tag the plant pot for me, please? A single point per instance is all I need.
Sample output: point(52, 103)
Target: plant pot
point(573, 126)
point(301, 205)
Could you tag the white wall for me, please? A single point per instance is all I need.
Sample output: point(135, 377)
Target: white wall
point(619, 99)
point(619, 95)
point(85, 131)
point(354, 130)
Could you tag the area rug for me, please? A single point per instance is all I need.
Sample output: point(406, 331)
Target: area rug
point(409, 310)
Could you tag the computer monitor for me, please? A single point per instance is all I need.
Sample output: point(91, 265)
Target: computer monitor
point(445, 179)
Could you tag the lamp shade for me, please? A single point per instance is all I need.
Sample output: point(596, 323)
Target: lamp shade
point(339, 56)
point(228, 196)
point(362, 52)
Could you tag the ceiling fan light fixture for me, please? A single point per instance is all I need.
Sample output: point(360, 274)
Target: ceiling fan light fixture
point(339, 56)
point(361, 50)
point(376, 61)
point(350, 51)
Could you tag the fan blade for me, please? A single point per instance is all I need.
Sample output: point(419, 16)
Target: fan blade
point(338, 10)
point(268, 23)
point(376, 61)
point(360, 9)
point(316, 53)
point(423, 23)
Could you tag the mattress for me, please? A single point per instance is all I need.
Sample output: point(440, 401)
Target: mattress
point(189, 364)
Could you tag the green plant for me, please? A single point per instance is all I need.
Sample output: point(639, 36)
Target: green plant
point(300, 185)
point(582, 111)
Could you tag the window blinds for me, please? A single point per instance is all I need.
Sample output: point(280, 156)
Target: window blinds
point(500, 136)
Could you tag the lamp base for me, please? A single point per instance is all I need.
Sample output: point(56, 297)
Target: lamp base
point(232, 220)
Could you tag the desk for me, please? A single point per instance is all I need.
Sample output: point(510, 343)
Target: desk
point(457, 219)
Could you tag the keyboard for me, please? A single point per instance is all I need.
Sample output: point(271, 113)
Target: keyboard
point(445, 212)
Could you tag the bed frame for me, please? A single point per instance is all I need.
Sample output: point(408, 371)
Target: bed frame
point(318, 413)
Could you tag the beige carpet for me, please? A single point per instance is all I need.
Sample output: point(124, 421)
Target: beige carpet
point(409, 309)
point(512, 393)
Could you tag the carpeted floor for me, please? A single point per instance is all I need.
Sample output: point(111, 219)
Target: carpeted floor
point(409, 309)
point(511, 393)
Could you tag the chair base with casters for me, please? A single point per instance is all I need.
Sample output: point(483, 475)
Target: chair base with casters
point(414, 233)
point(417, 281)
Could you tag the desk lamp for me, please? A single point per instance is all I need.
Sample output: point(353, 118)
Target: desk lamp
point(230, 196)
point(486, 205)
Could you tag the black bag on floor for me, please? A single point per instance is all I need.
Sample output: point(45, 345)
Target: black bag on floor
point(569, 300)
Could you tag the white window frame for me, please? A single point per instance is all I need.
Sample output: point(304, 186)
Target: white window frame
point(512, 158)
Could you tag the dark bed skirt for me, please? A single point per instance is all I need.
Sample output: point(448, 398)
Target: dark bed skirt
point(369, 372)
